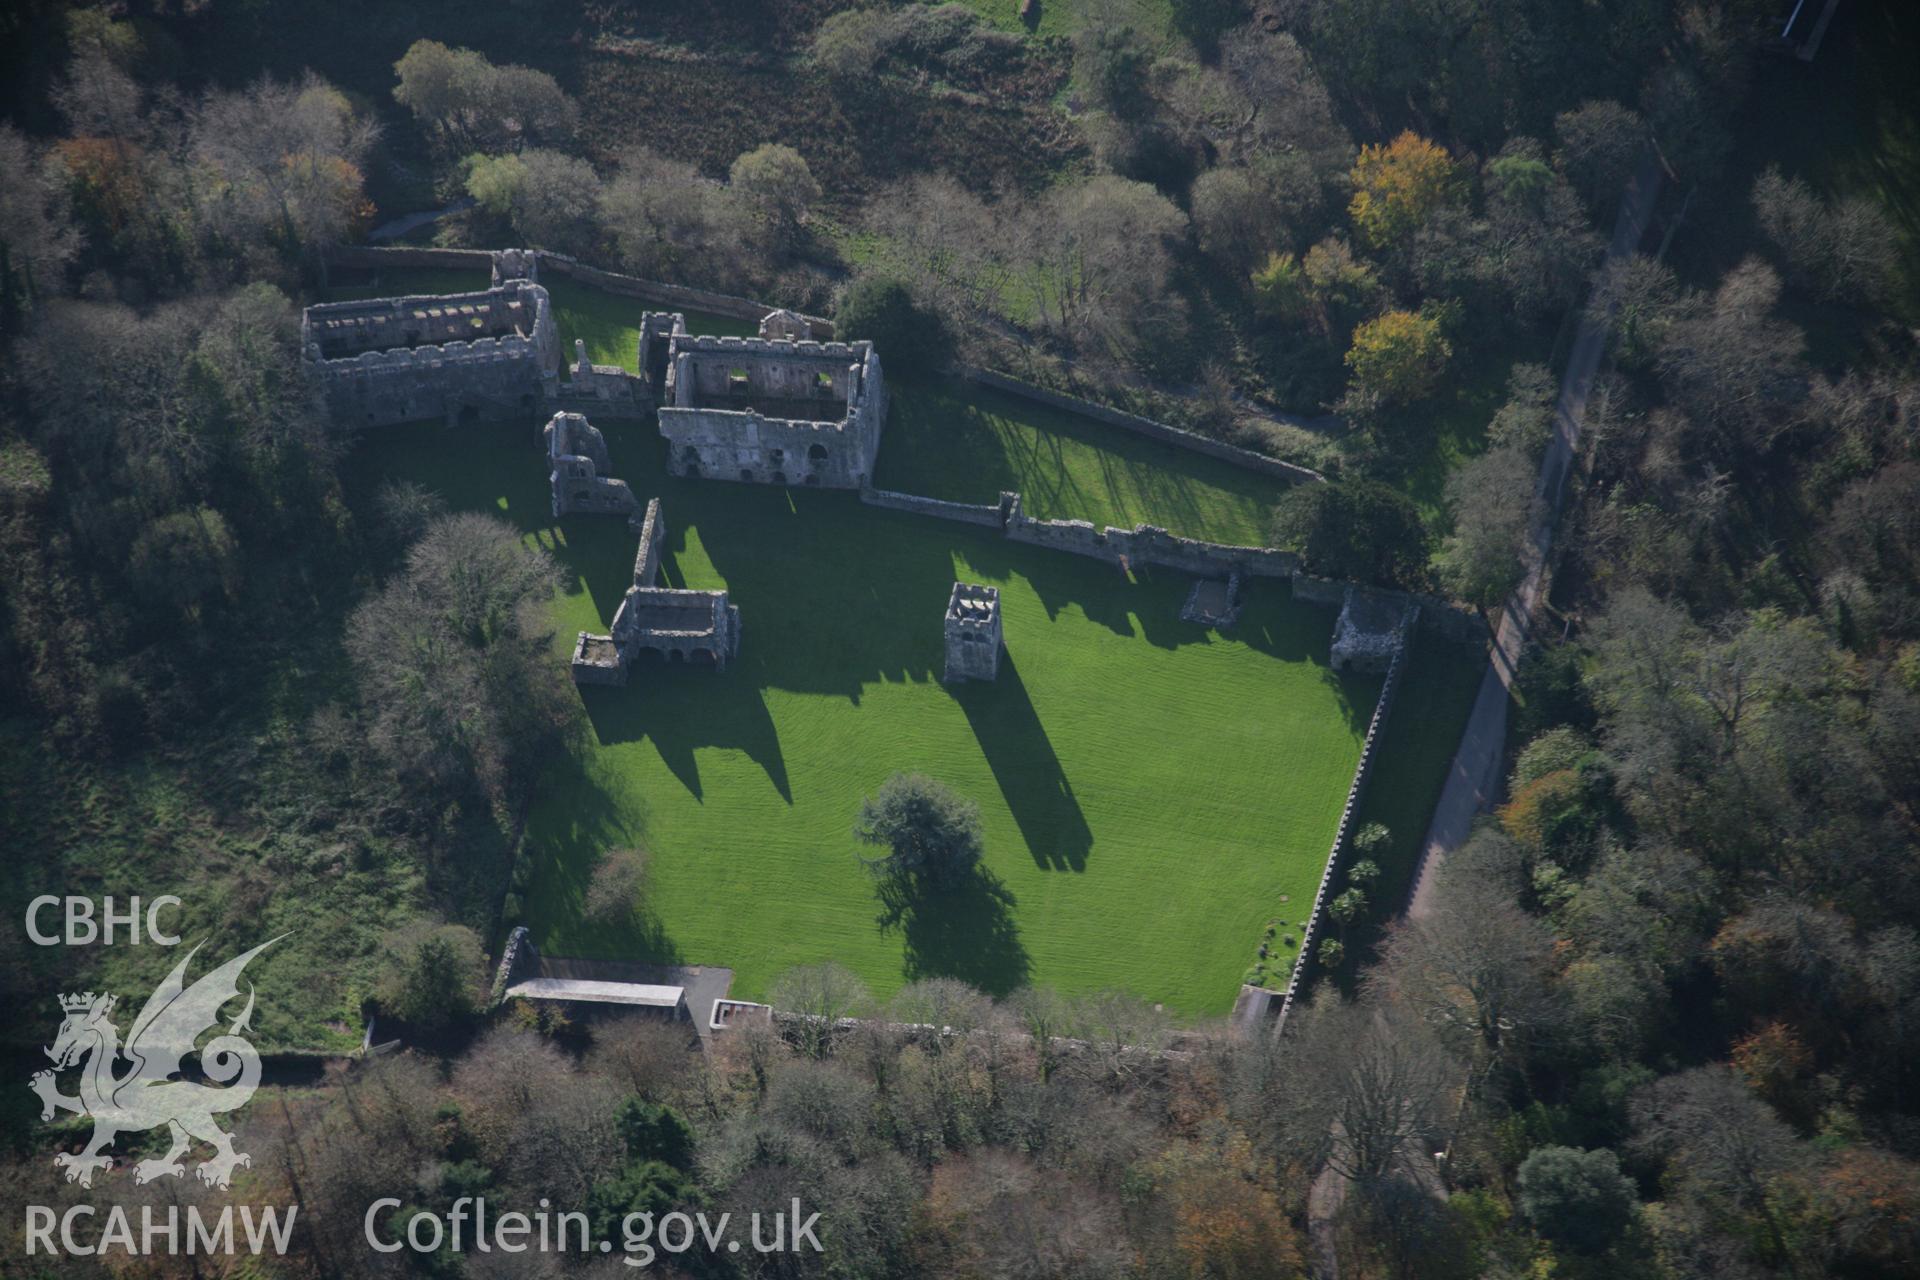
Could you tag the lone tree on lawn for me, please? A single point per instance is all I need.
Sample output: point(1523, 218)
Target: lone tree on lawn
point(930, 834)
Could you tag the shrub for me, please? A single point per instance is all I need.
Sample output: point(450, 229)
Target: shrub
point(1578, 1200)
point(615, 888)
point(1558, 748)
point(432, 976)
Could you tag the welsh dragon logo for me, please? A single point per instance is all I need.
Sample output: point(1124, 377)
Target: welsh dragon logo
point(146, 1095)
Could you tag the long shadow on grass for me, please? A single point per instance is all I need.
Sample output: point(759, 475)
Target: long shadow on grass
point(681, 709)
point(1022, 758)
point(588, 826)
point(965, 931)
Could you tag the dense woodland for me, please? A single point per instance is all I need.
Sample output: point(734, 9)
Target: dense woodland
point(1663, 1019)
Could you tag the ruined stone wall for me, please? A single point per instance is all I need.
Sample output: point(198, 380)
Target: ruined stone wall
point(747, 445)
point(1304, 963)
point(1146, 544)
point(991, 517)
point(653, 534)
point(376, 258)
point(419, 377)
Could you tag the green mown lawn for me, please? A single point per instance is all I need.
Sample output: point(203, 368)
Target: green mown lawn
point(967, 443)
point(1150, 790)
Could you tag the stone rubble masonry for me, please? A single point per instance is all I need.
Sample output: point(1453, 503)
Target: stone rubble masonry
point(604, 390)
point(386, 361)
point(682, 626)
point(577, 463)
point(990, 517)
point(973, 633)
point(1213, 603)
point(770, 411)
point(1369, 633)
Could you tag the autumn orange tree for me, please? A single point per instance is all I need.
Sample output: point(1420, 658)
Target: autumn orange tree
point(1399, 185)
point(1398, 356)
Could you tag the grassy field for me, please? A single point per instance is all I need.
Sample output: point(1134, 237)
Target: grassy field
point(1150, 790)
point(968, 443)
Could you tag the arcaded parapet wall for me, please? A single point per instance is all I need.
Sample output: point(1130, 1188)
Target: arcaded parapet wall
point(973, 633)
point(394, 360)
point(697, 626)
point(773, 412)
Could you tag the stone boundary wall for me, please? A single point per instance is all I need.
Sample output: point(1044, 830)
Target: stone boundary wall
point(1179, 437)
point(990, 517)
point(1389, 687)
point(519, 948)
point(655, 291)
point(1441, 616)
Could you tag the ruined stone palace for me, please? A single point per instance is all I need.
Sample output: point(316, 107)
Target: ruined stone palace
point(973, 633)
point(391, 360)
point(776, 409)
point(780, 408)
point(700, 627)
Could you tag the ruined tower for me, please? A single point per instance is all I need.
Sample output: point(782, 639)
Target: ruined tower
point(973, 633)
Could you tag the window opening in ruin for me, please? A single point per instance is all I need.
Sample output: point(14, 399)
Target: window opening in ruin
point(817, 454)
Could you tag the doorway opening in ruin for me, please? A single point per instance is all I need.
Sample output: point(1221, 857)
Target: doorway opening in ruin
point(746, 474)
point(779, 477)
point(469, 414)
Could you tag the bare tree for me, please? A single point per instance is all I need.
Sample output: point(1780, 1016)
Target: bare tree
point(1476, 968)
point(290, 154)
point(651, 1060)
point(821, 994)
point(1363, 1089)
point(455, 673)
point(37, 235)
point(613, 894)
point(1844, 249)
